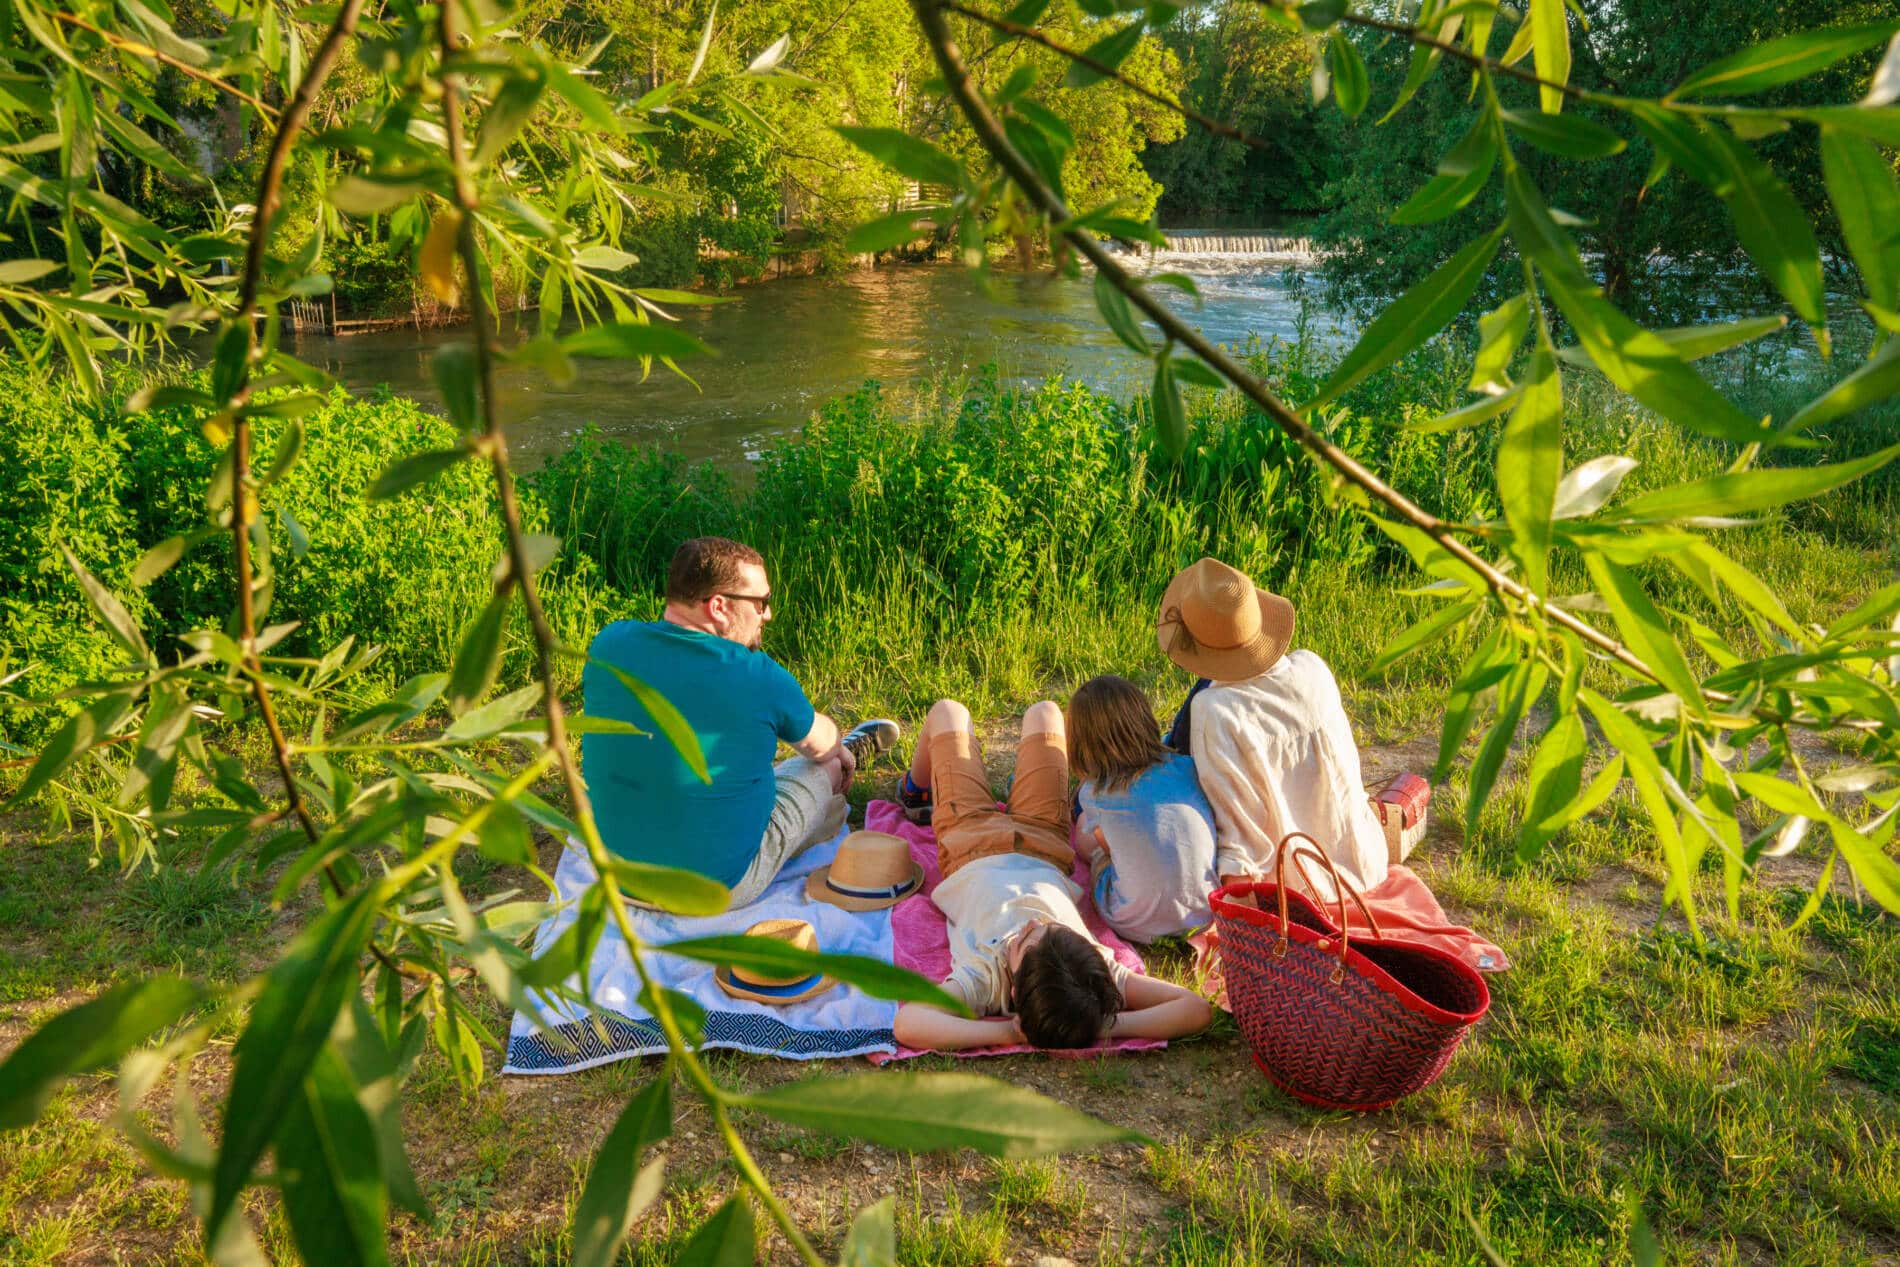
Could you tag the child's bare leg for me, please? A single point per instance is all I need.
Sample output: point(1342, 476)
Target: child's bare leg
point(945, 715)
point(1044, 717)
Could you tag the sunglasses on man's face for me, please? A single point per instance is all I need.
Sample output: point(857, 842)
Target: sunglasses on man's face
point(763, 601)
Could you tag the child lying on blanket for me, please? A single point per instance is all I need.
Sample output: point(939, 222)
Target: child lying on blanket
point(1145, 827)
point(1021, 957)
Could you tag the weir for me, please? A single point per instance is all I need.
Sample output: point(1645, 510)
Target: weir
point(1235, 242)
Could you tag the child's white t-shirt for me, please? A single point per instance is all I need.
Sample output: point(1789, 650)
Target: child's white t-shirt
point(988, 899)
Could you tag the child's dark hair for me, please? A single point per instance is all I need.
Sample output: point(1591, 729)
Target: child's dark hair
point(1065, 996)
point(1112, 732)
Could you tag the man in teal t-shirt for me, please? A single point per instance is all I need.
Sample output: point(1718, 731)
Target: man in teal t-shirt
point(703, 655)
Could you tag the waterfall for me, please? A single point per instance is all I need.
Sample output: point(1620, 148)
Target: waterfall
point(1235, 242)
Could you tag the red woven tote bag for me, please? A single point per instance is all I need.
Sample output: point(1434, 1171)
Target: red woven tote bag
point(1337, 1022)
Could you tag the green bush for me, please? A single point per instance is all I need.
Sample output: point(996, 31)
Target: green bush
point(404, 574)
point(369, 274)
point(625, 509)
point(62, 479)
point(969, 537)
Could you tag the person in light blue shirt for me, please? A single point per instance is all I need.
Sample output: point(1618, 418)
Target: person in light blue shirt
point(1146, 828)
point(704, 657)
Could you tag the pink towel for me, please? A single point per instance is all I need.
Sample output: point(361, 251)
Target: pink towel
point(920, 934)
point(1407, 912)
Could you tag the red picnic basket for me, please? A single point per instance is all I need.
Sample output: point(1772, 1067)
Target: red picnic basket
point(1332, 1019)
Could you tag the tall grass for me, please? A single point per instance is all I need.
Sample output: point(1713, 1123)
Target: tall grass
point(998, 543)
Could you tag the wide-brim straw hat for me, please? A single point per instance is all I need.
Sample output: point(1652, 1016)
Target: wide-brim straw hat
point(872, 870)
point(744, 983)
point(1217, 624)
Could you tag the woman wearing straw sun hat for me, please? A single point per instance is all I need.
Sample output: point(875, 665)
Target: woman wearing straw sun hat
point(1271, 742)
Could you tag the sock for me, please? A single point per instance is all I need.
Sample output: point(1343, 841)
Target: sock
point(909, 786)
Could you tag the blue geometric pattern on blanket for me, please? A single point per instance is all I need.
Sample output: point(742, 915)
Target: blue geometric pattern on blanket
point(578, 1044)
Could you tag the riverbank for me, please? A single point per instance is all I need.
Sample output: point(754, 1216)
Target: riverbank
point(966, 537)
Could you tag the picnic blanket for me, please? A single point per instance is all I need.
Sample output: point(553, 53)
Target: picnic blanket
point(922, 938)
point(842, 1021)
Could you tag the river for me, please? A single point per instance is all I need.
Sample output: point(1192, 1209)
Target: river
point(785, 346)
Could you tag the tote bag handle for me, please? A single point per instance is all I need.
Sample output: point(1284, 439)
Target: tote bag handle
point(1342, 889)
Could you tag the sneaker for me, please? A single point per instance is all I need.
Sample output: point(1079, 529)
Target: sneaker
point(914, 800)
point(868, 739)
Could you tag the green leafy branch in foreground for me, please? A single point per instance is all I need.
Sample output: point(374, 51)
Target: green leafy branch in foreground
point(1705, 732)
point(374, 800)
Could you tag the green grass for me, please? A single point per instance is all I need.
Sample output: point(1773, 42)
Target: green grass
point(1747, 1096)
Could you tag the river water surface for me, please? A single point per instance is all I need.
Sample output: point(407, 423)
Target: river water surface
point(786, 346)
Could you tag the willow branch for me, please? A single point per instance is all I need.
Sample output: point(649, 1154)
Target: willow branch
point(990, 134)
point(494, 444)
point(1034, 36)
point(269, 187)
point(1418, 35)
point(138, 48)
point(21, 762)
point(269, 190)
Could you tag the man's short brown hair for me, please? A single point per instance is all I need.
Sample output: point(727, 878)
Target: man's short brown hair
point(705, 566)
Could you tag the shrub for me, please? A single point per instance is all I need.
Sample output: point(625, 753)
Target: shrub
point(626, 509)
point(370, 274)
point(404, 573)
point(62, 479)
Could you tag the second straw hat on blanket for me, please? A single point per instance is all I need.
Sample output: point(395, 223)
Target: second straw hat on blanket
point(764, 987)
point(872, 870)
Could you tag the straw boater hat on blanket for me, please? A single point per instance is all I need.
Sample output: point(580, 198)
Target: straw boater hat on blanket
point(1216, 624)
point(872, 870)
point(760, 987)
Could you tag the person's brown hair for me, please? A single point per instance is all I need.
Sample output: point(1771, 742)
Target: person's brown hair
point(1112, 732)
point(1065, 994)
point(705, 566)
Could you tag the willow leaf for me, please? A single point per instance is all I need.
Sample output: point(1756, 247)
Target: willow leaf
point(1551, 786)
point(1414, 317)
point(1586, 487)
point(1860, 184)
point(1782, 61)
point(1500, 331)
point(936, 1112)
point(1646, 772)
point(289, 1024)
point(618, 1186)
point(1465, 169)
point(1550, 49)
point(1744, 492)
point(1646, 367)
point(1529, 465)
point(1773, 228)
point(1514, 700)
point(1644, 630)
point(1873, 382)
